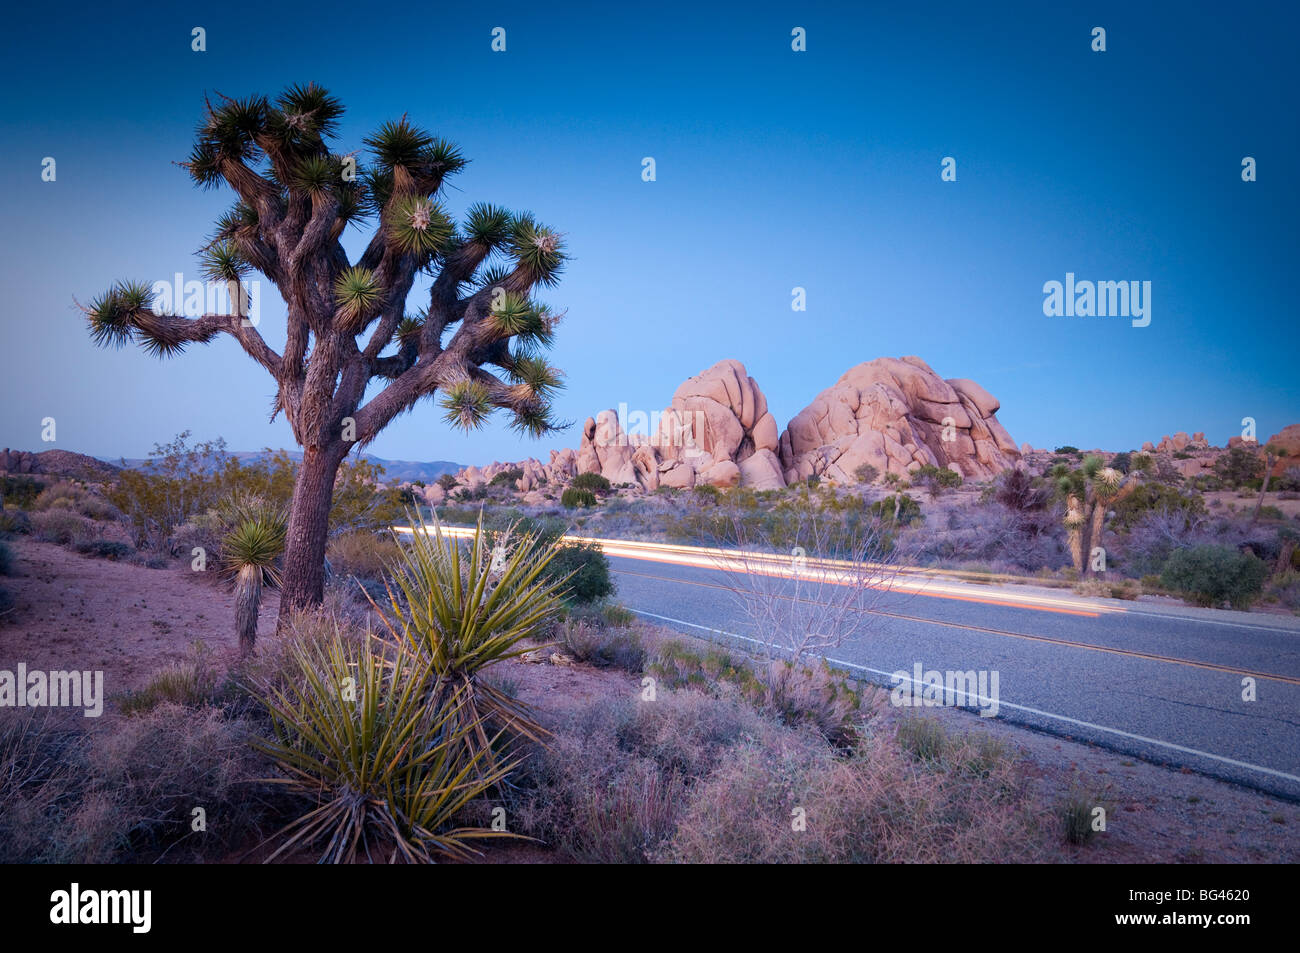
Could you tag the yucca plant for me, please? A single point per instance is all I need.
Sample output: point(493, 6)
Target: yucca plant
point(250, 551)
point(337, 380)
point(387, 772)
point(466, 604)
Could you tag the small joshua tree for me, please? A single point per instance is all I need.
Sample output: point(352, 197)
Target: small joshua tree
point(1089, 493)
point(296, 195)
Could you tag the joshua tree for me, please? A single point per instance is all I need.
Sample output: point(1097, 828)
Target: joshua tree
point(1090, 492)
point(1272, 454)
point(250, 551)
point(295, 196)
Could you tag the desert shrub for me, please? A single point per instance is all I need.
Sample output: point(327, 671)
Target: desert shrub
point(587, 569)
point(866, 473)
point(1211, 574)
point(362, 553)
point(936, 479)
point(6, 559)
point(899, 508)
point(1238, 467)
point(706, 493)
point(589, 481)
point(110, 549)
point(157, 767)
point(20, 490)
point(1271, 513)
point(603, 646)
point(42, 786)
point(1122, 461)
point(61, 526)
point(1152, 497)
point(1016, 491)
point(1284, 588)
point(574, 497)
point(610, 783)
point(189, 684)
point(870, 807)
point(796, 695)
point(448, 482)
point(1289, 479)
point(1074, 812)
point(381, 773)
point(507, 478)
point(14, 522)
point(1067, 449)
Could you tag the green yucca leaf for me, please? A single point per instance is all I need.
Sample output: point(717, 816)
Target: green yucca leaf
point(487, 225)
point(541, 379)
point(310, 110)
point(491, 275)
point(1091, 465)
point(534, 422)
point(441, 157)
point(203, 165)
point(237, 219)
point(416, 225)
point(385, 759)
point(254, 544)
point(358, 295)
point(113, 316)
point(538, 250)
point(408, 330)
point(399, 143)
point(223, 261)
point(314, 174)
point(467, 405)
point(512, 314)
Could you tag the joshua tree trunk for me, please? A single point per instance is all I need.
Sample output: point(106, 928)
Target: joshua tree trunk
point(248, 599)
point(304, 555)
point(1269, 460)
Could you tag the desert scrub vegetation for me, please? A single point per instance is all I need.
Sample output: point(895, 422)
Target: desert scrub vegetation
point(1210, 575)
point(465, 605)
point(126, 791)
point(381, 757)
point(574, 497)
point(693, 778)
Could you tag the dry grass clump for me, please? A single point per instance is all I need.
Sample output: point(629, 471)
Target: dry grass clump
point(364, 554)
point(795, 802)
point(610, 785)
point(62, 526)
point(126, 790)
point(697, 778)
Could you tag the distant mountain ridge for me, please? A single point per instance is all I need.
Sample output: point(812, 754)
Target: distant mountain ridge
point(407, 471)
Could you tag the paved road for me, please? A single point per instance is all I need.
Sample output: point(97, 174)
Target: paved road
point(1162, 683)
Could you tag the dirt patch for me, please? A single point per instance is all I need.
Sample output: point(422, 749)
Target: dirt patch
point(72, 612)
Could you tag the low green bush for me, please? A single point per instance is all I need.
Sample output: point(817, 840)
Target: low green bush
point(589, 481)
point(575, 497)
point(1210, 575)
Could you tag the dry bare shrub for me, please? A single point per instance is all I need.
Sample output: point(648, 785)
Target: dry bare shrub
point(603, 646)
point(62, 526)
point(158, 767)
point(609, 785)
point(791, 800)
point(362, 553)
point(42, 786)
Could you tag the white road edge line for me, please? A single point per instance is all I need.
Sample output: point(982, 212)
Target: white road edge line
point(1034, 711)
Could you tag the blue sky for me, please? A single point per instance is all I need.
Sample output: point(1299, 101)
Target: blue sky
point(775, 169)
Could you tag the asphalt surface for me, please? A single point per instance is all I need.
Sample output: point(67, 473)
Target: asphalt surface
point(1163, 683)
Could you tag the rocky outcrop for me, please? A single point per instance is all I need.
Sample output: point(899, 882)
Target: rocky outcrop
point(897, 415)
point(1288, 439)
point(56, 463)
point(1179, 443)
point(717, 431)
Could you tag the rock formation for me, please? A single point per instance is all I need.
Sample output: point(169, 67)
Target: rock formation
point(896, 414)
